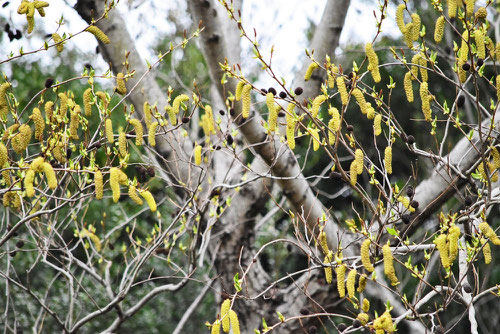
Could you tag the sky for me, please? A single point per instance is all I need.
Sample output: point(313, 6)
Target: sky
point(280, 22)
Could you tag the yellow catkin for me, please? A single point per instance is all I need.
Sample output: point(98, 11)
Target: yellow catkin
point(4, 107)
point(239, 90)
point(98, 184)
point(245, 96)
point(363, 318)
point(365, 255)
point(417, 22)
point(388, 159)
point(351, 282)
point(426, 106)
point(377, 124)
point(452, 8)
point(344, 96)
point(481, 171)
point(389, 270)
point(310, 70)
point(148, 116)
point(122, 144)
point(273, 112)
point(63, 109)
point(362, 283)
point(58, 41)
point(138, 131)
point(358, 157)
point(132, 193)
point(423, 67)
point(498, 86)
point(384, 323)
point(21, 140)
point(224, 315)
point(109, 131)
point(370, 111)
point(486, 251)
point(365, 305)
point(98, 33)
point(463, 52)
point(340, 273)
point(114, 183)
point(74, 122)
point(323, 243)
point(59, 152)
point(28, 183)
point(439, 29)
point(414, 68)
point(442, 247)
point(152, 134)
point(353, 173)
point(121, 88)
point(408, 86)
point(400, 17)
point(489, 233)
point(149, 199)
point(37, 119)
point(469, 7)
point(215, 327)
point(373, 62)
point(480, 47)
point(30, 17)
point(6, 177)
point(4, 157)
point(50, 174)
point(176, 106)
point(496, 157)
point(360, 98)
point(87, 99)
point(49, 110)
point(330, 81)
point(408, 35)
point(481, 13)
point(318, 100)
point(210, 119)
point(493, 172)
point(328, 269)
point(497, 51)
point(332, 126)
point(315, 139)
point(290, 134)
point(197, 155)
point(235, 324)
point(94, 238)
point(453, 235)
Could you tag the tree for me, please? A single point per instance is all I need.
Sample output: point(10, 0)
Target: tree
point(121, 197)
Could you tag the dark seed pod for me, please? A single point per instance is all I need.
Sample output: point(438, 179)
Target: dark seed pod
point(313, 330)
point(342, 327)
point(151, 171)
point(281, 114)
point(230, 140)
point(20, 244)
point(222, 112)
point(185, 120)
point(335, 176)
point(480, 62)
point(272, 90)
point(13, 253)
point(298, 91)
point(406, 218)
point(18, 34)
point(467, 288)
point(447, 50)
point(11, 36)
point(356, 323)
point(88, 66)
point(410, 191)
point(350, 128)
point(414, 204)
point(5, 4)
point(304, 311)
point(350, 75)
point(111, 246)
point(289, 248)
point(68, 153)
point(282, 94)
point(218, 147)
point(466, 67)
point(460, 101)
point(49, 82)
point(231, 112)
point(264, 91)
point(6, 27)
point(468, 200)
point(411, 140)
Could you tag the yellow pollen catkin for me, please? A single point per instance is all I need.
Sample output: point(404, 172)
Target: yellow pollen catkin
point(344, 96)
point(315, 139)
point(332, 125)
point(3, 155)
point(224, 314)
point(351, 282)
point(497, 52)
point(328, 269)
point(480, 47)
point(74, 122)
point(370, 111)
point(30, 17)
point(340, 273)
point(358, 157)
point(210, 119)
point(114, 182)
point(4, 107)
point(360, 98)
point(408, 86)
point(21, 140)
point(414, 68)
point(452, 8)
point(383, 323)
point(365, 255)
point(400, 17)
point(496, 157)
point(58, 41)
point(365, 305)
point(138, 131)
point(176, 106)
point(148, 116)
point(353, 173)
point(215, 327)
point(121, 88)
point(377, 124)
point(50, 174)
point(363, 318)
point(197, 155)
point(453, 235)
point(109, 131)
point(469, 7)
point(152, 134)
point(481, 13)
point(442, 247)
point(318, 100)
point(273, 112)
point(98, 184)
point(239, 90)
point(388, 159)
point(486, 251)
point(49, 110)
point(98, 33)
point(498, 86)
point(389, 270)
point(426, 106)
point(87, 99)
point(310, 70)
point(417, 22)
point(28, 183)
point(122, 144)
point(245, 96)
point(423, 67)
point(235, 324)
point(149, 199)
point(290, 134)
point(323, 243)
point(362, 283)
point(37, 119)
point(373, 62)
point(439, 29)
point(63, 109)
point(489, 233)
point(408, 35)
point(132, 193)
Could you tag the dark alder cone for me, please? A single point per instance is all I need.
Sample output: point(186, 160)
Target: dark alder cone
point(222, 112)
point(68, 153)
point(49, 82)
point(231, 112)
point(350, 75)
point(335, 176)
point(411, 140)
point(111, 246)
point(342, 327)
point(467, 287)
point(88, 66)
point(18, 34)
point(466, 67)
point(447, 50)
point(480, 62)
point(410, 191)
point(468, 200)
point(151, 171)
point(298, 90)
point(5, 4)
point(356, 323)
point(289, 248)
point(304, 311)
point(313, 330)
point(185, 120)
point(13, 253)
point(350, 128)
point(414, 204)
point(272, 90)
point(406, 218)
point(264, 91)
point(282, 95)
point(460, 101)
point(20, 244)
point(230, 140)
point(281, 114)
point(6, 27)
